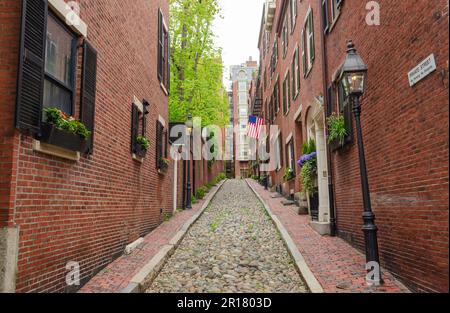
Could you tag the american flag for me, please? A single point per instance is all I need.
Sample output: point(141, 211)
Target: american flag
point(254, 127)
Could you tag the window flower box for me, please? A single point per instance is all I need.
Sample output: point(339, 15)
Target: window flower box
point(163, 165)
point(52, 135)
point(139, 151)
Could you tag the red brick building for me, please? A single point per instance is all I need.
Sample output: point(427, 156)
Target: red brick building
point(405, 129)
point(84, 205)
point(292, 96)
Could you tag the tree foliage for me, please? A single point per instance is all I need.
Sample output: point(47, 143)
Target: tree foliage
point(196, 64)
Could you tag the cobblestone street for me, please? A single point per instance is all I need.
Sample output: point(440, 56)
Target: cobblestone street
point(233, 247)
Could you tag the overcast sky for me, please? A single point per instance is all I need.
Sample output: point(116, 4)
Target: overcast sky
point(237, 31)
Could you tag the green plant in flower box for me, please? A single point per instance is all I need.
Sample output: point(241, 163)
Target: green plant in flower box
point(143, 142)
point(337, 130)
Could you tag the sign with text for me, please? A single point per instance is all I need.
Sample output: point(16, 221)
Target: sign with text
point(425, 68)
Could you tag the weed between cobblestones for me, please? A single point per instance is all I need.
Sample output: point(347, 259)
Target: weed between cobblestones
point(233, 247)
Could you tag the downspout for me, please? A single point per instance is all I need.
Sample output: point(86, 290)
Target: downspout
point(332, 203)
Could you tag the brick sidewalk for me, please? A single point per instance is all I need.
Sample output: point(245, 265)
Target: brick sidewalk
point(337, 266)
point(116, 276)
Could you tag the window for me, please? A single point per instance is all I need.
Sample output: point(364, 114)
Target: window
point(293, 14)
point(47, 75)
point(279, 155)
point(345, 109)
point(285, 36)
point(161, 144)
point(243, 86)
point(163, 52)
point(326, 25)
point(295, 75)
point(290, 155)
point(243, 98)
point(59, 82)
point(138, 128)
point(274, 59)
point(308, 49)
point(286, 93)
point(276, 97)
point(335, 9)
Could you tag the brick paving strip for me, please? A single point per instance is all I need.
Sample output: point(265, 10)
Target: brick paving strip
point(337, 266)
point(122, 275)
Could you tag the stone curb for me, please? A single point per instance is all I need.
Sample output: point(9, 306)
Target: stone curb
point(300, 263)
point(144, 278)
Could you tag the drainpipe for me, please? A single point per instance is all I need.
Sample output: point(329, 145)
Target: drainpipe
point(333, 228)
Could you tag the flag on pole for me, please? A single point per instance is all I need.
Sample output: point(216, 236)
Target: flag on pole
point(254, 127)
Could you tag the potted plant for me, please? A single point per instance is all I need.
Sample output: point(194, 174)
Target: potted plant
point(288, 174)
point(337, 131)
point(164, 165)
point(141, 146)
point(63, 131)
point(308, 175)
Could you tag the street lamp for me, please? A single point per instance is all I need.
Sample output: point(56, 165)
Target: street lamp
point(353, 75)
point(189, 126)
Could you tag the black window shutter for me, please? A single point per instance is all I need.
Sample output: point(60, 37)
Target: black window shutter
point(88, 92)
point(134, 127)
point(31, 65)
point(160, 45)
point(159, 143)
point(330, 100)
point(348, 113)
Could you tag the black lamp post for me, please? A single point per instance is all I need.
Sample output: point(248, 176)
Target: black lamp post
point(353, 74)
point(189, 127)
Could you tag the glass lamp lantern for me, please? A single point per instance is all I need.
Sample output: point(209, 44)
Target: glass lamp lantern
point(353, 72)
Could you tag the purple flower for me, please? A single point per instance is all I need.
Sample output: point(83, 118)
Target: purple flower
point(305, 158)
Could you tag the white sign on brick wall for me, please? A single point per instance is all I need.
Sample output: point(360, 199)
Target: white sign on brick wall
point(425, 68)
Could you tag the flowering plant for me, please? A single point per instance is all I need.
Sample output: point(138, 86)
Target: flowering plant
point(65, 122)
point(308, 163)
point(307, 158)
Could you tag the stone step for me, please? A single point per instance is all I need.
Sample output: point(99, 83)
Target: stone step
point(288, 202)
point(300, 210)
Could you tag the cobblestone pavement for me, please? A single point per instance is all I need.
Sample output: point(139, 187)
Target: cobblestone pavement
point(233, 247)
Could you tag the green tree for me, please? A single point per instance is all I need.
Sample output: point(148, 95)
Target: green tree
point(196, 64)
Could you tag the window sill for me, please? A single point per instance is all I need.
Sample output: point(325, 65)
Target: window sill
point(164, 89)
point(55, 151)
point(138, 158)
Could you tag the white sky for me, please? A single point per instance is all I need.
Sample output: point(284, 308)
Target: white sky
point(237, 32)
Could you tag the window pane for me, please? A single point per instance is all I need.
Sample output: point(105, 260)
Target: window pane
point(58, 56)
point(57, 97)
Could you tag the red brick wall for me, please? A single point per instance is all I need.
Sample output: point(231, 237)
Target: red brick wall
point(310, 87)
point(406, 135)
point(88, 211)
point(9, 47)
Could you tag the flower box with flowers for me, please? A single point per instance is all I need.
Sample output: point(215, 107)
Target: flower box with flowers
point(163, 165)
point(63, 131)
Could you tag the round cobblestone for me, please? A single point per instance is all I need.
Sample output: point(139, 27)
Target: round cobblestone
point(233, 247)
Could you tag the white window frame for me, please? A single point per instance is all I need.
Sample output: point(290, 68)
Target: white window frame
point(294, 13)
point(296, 74)
point(308, 36)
